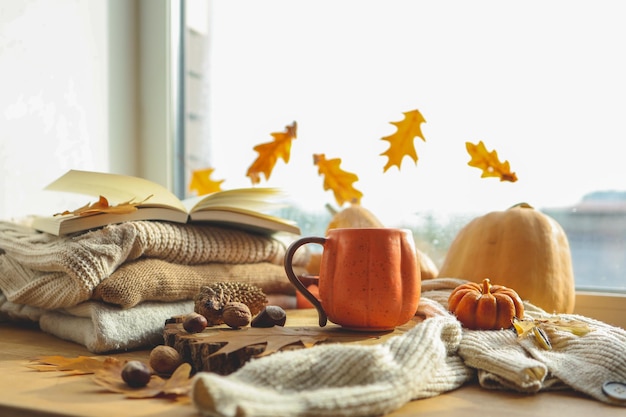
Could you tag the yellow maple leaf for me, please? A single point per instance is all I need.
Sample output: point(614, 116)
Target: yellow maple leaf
point(269, 153)
point(202, 183)
point(337, 180)
point(489, 162)
point(401, 142)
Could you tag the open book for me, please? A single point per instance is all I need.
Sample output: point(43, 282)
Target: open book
point(244, 207)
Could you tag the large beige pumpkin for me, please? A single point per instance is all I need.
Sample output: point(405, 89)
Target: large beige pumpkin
point(355, 216)
point(520, 248)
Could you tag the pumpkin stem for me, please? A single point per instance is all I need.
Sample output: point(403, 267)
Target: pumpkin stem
point(486, 286)
point(521, 205)
point(331, 209)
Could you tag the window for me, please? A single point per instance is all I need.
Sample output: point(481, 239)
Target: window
point(541, 83)
point(53, 77)
point(86, 85)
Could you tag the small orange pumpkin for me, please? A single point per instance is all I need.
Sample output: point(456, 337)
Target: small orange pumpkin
point(485, 306)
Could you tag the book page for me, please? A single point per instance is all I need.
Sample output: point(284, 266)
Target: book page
point(116, 188)
point(252, 199)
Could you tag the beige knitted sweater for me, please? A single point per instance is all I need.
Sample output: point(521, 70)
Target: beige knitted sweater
point(46, 271)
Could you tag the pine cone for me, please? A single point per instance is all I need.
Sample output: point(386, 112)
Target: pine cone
point(211, 299)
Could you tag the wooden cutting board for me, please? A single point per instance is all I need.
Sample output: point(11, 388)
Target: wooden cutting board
point(198, 349)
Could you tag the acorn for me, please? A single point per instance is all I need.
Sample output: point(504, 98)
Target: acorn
point(270, 316)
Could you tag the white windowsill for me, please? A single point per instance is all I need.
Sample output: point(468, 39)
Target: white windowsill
point(609, 308)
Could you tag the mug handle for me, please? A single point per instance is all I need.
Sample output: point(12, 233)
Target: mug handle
point(291, 250)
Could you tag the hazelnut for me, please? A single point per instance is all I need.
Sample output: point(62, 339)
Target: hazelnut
point(194, 323)
point(236, 314)
point(270, 316)
point(165, 359)
point(136, 374)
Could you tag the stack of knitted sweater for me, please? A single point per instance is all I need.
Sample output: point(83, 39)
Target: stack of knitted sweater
point(113, 288)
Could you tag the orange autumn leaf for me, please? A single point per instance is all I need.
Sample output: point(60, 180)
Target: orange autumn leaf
point(401, 142)
point(103, 206)
point(337, 180)
point(178, 384)
point(489, 162)
point(202, 183)
point(107, 372)
point(269, 153)
point(75, 366)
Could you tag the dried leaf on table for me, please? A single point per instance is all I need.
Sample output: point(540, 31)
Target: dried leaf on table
point(269, 153)
point(178, 384)
point(103, 206)
point(541, 328)
point(202, 183)
point(80, 365)
point(489, 162)
point(401, 143)
point(275, 338)
point(338, 180)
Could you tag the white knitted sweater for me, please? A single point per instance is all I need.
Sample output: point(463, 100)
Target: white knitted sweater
point(435, 356)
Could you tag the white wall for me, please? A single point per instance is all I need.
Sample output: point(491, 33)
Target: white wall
point(84, 84)
point(53, 100)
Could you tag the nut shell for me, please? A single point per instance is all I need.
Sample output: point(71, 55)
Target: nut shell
point(165, 359)
point(211, 299)
point(270, 316)
point(136, 374)
point(194, 323)
point(236, 315)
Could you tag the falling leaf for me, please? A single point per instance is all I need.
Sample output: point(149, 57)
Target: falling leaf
point(202, 183)
point(103, 206)
point(178, 384)
point(489, 162)
point(270, 152)
point(401, 143)
point(337, 180)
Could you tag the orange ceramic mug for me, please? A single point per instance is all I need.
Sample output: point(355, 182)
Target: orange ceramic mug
point(369, 278)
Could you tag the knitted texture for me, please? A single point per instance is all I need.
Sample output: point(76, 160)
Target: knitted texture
point(103, 328)
point(502, 361)
point(47, 271)
point(584, 363)
point(341, 380)
point(435, 356)
point(150, 279)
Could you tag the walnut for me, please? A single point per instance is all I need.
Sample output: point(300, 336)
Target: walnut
point(165, 359)
point(236, 315)
point(211, 299)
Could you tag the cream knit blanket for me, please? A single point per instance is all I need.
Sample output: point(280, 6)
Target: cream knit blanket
point(42, 270)
point(435, 356)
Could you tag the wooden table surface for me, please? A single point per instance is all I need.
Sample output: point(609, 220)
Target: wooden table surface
point(26, 392)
